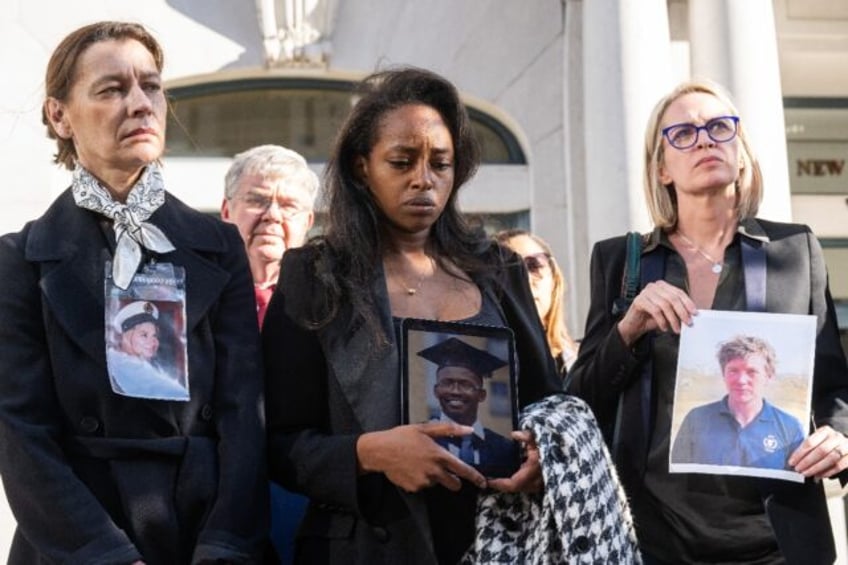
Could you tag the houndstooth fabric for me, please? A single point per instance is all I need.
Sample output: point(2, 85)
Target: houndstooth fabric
point(581, 517)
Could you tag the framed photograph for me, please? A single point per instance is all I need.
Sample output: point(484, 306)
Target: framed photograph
point(463, 373)
point(743, 393)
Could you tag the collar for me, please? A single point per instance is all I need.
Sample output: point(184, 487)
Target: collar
point(479, 431)
point(766, 413)
point(747, 227)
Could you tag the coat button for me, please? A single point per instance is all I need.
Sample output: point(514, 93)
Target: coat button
point(206, 413)
point(89, 425)
point(581, 544)
point(381, 533)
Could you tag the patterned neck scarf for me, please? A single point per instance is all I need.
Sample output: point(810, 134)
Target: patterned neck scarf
point(132, 232)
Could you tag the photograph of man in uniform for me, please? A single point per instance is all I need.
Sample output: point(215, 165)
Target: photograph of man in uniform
point(743, 428)
point(459, 389)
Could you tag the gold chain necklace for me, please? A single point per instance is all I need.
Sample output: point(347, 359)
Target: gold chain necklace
point(412, 290)
point(717, 266)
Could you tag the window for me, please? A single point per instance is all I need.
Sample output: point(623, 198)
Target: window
point(221, 119)
point(817, 145)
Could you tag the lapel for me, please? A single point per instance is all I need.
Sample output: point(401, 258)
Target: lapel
point(367, 372)
point(196, 236)
point(71, 248)
point(369, 376)
point(68, 243)
point(753, 229)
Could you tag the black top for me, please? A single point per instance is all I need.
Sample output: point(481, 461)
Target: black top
point(678, 517)
point(607, 371)
point(451, 514)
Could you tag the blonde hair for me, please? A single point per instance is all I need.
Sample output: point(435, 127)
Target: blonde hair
point(556, 332)
point(661, 199)
point(742, 347)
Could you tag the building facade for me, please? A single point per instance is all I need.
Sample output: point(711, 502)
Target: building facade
point(560, 91)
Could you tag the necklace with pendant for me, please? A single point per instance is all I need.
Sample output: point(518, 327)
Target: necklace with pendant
point(412, 290)
point(717, 266)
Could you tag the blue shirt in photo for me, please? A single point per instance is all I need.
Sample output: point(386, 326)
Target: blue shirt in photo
point(710, 435)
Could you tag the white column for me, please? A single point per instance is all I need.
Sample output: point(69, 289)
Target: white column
point(575, 260)
point(735, 43)
point(627, 67)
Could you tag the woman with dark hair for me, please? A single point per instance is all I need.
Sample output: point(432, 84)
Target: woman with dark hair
point(96, 471)
point(395, 246)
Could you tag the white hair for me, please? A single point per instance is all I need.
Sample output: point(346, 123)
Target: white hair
point(271, 161)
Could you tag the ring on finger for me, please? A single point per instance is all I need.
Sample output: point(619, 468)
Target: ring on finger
point(839, 451)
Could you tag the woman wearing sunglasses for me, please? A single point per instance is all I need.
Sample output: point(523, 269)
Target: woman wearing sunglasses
point(709, 251)
point(548, 286)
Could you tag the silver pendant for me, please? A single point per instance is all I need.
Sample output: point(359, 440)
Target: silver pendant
point(717, 268)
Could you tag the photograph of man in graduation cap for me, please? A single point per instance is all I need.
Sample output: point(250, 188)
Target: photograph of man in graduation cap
point(460, 389)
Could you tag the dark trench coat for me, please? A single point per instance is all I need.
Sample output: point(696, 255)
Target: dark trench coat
point(94, 477)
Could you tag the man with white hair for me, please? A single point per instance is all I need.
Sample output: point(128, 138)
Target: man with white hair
point(269, 194)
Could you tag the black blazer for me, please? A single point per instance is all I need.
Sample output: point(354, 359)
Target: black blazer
point(94, 477)
point(327, 387)
point(796, 284)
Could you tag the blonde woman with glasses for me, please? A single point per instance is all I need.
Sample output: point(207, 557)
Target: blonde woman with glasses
point(547, 284)
point(709, 250)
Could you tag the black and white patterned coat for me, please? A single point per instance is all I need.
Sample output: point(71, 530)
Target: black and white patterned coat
point(581, 517)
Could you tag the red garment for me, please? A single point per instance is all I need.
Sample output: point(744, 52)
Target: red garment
point(263, 297)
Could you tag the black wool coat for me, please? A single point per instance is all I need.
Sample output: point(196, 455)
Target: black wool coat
point(95, 477)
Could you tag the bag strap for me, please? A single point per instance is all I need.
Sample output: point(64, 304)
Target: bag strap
point(631, 434)
point(631, 278)
point(754, 265)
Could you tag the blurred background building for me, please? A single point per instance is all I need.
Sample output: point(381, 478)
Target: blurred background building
point(559, 90)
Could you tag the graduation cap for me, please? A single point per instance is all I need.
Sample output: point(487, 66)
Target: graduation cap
point(454, 352)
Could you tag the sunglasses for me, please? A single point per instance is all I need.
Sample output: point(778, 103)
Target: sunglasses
point(537, 263)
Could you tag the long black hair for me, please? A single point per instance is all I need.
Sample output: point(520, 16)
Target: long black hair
point(353, 233)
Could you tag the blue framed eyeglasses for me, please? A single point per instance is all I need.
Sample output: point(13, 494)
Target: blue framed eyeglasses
point(683, 136)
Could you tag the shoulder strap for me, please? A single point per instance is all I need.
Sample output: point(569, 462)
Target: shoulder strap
point(631, 278)
point(754, 266)
point(632, 429)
